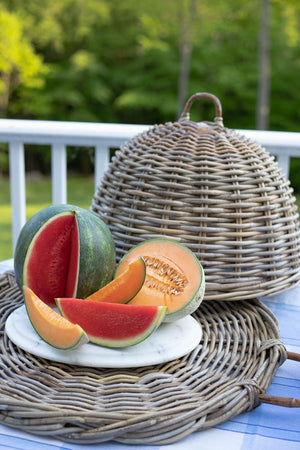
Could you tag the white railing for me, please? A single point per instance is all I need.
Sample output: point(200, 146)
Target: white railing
point(101, 137)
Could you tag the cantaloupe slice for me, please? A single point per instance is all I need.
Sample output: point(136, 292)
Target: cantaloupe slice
point(123, 288)
point(51, 326)
point(112, 324)
point(174, 277)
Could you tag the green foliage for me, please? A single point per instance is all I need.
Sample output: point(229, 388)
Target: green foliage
point(19, 63)
point(4, 162)
point(104, 61)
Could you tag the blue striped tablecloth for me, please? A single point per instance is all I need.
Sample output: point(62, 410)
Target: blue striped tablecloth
point(268, 427)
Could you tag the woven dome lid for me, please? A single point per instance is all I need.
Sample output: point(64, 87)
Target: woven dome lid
point(213, 190)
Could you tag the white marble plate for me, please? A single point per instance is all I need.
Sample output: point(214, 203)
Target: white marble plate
point(170, 341)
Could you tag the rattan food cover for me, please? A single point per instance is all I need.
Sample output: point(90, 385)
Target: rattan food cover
point(213, 190)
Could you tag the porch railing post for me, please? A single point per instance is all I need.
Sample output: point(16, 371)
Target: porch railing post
point(284, 163)
point(101, 162)
point(59, 173)
point(17, 188)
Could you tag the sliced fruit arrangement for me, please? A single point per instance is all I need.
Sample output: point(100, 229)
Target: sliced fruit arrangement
point(174, 277)
point(124, 287)
point(65, 255)
point(64, 251)
point(112, 324)
point(51, 326)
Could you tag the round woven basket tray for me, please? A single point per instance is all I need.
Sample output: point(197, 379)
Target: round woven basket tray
point(215, 191)
point(234, 363)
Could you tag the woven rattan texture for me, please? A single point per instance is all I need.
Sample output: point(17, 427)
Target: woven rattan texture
point(236, 360)
point(213, 190)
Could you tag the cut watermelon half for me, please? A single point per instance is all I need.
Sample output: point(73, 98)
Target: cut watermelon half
point(64, 251)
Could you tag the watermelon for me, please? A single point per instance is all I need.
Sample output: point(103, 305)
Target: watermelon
point(112, 324)
point(64, 251)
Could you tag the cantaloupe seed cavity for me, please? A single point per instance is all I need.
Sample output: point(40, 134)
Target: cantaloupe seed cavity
point(164, 276)
point(174, 277)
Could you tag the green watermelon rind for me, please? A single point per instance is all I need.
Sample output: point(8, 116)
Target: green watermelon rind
point(96, 260)
point(120, 343)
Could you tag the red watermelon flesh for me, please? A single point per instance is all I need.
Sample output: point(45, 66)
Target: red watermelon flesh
point(112, 324)
point(54, 256)
point(64, 251)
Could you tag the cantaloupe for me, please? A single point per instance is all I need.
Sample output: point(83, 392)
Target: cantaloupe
point(51, 326)
point(174, 277)
point(123, 288)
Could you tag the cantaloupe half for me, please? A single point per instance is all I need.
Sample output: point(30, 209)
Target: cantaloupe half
point(124, 287)
point(51, 326)
point(174, 277)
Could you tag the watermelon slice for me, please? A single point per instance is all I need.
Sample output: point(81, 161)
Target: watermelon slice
point(112, 324)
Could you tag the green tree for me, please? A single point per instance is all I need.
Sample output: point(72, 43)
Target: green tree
point(19, 63)
point(263, 94)
point(137, 62)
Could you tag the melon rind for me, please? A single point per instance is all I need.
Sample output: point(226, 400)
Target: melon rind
point(192, 305)
point(118, 342)
point(195, 300)
point(97, 258)
point(96, 263)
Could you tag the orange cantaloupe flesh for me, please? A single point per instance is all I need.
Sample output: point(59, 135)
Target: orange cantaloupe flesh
point(172, 274)
point(124, 287)
point(51, 326)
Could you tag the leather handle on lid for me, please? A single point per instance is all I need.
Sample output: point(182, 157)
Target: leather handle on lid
point(282, 401)
point(199, 96)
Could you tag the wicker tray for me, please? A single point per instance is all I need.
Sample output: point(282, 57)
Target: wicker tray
point(235, 361)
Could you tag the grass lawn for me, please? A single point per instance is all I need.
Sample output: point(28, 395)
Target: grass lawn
point(38, 195)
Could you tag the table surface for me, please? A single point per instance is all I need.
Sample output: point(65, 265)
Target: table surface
point(268, 427)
